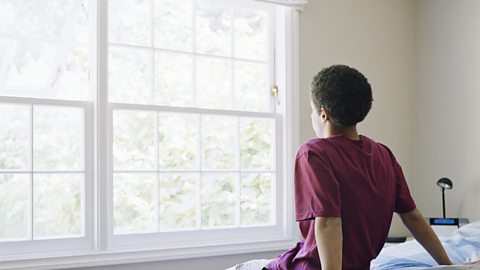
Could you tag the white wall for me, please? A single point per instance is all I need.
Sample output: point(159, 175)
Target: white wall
point(378, 38)
point(448, 96)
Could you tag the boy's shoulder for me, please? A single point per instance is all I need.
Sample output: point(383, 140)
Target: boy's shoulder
point(383, 147)
point(321, 146)
point(383, 150)
point(315, 145)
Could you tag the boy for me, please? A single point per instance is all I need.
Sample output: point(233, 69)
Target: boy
point(346, 185)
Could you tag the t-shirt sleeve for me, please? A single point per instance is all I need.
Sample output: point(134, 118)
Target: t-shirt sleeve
point(317, 191)
point(403, 201)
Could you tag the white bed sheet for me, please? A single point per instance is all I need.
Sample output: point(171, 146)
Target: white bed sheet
point(462, 246)
point(251, 265)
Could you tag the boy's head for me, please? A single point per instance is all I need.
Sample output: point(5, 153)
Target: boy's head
point(344, 93)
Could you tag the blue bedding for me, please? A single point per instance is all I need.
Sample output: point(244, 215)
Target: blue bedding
point(462, 246)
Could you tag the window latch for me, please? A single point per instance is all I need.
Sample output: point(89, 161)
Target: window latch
point(275, 94)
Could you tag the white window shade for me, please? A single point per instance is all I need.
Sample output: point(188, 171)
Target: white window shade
point(298, 4)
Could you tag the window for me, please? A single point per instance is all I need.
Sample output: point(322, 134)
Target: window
point(151, 126)
point(46, 175)
point(197, 151)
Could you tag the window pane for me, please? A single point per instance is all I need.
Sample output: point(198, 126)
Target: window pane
point(214, 28)
point(218, 199)
point(14, 206)
point(134, 202)
point(130, 75)
point(251, 28)
point(58, 138)
point(178, 141)
point(173, 79)
point(46, 54)
point(219, 137)
point(214, 83)
point(14, 137)
point(5, 44)
point(130, 22)
point(134, 140)
point(31, 64)
point(174, 24)
point(72, 80)
point(256, 143)
point(8, 11)
point(178, 201)
point(251, 82)
point(256, 199)
point(45, 18)
point(57, 204)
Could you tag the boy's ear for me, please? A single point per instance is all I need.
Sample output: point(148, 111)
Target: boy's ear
point(324, 114)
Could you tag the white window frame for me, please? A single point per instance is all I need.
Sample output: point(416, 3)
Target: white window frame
point(104, 249)
point(21, 248)
point(169, 240)
point(204, 237)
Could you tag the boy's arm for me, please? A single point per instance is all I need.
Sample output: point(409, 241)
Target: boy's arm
point(423, 233)
point(329, 237)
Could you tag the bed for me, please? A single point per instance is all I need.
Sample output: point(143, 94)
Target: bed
point(462, 246)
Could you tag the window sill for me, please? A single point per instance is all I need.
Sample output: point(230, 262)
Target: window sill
point(123, 256)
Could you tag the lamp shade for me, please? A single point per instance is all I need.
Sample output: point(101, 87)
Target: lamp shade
point(445, 183)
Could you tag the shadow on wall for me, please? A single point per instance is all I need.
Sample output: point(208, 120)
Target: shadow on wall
point(471, 200)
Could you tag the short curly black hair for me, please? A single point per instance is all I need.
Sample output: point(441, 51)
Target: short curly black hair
point(344, 92)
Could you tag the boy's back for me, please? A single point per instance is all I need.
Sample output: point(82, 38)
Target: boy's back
point(346, 185)
point(356, 180)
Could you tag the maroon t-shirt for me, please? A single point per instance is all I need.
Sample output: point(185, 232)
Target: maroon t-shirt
point(357, 180)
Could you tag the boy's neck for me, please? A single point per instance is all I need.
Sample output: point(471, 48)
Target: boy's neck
point(348, 132)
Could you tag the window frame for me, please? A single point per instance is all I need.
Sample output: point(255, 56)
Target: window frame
point(11, 249)
point(101, 248)
point(169, 240)
point(166, 240)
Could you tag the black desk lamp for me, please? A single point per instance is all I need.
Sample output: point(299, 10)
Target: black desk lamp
point(444, 183)
point(440, 224)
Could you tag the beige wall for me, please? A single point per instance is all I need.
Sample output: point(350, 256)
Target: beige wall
point(448, 97)
point(378, 38)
